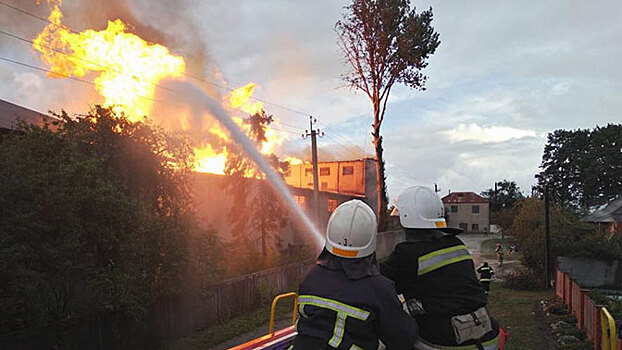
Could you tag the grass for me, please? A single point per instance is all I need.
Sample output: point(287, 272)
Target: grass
point(227, 330)
point(487, 248)
point(515, 310)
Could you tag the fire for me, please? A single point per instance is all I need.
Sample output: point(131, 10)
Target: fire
point(294, 160)
point(239, 99)
point(128, 67)
point(209, 161)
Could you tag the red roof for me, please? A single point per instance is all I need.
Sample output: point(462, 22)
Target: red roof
point(464, 197)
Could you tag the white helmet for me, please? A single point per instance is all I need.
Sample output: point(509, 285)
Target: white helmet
point(419, 207)
point(351, 230)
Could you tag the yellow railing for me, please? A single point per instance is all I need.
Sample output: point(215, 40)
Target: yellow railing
point(273, 310)
point(608, 326)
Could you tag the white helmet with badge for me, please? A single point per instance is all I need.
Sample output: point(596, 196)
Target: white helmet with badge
point(351, 230)
point(420, 208)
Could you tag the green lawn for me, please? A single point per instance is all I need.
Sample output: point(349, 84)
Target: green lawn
point(515, 310)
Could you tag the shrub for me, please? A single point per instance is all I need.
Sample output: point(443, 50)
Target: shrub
point(524, 280)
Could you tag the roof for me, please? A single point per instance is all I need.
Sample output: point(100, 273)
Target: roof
point(464, 197)
point(612, 212)
point(11, 114)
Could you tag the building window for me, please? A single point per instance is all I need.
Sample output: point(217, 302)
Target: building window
point(332, 205)
point(301, 200)
point(475, 209)
point(308, 171)
point(348, 170)
point(324, 186)
point(475, 227)
point(465, 227)
point(454, 208)
point(325, 171)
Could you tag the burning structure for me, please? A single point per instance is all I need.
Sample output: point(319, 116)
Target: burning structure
point(129, 74)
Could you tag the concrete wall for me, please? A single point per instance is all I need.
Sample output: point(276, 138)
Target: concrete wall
point(387, 242)
point(466, 216)
point(591, 272)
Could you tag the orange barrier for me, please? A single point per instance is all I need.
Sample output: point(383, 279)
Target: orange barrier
point(593, 318)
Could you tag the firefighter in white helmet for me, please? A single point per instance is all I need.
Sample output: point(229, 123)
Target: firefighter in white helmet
point(435, 273)
point(344, 302)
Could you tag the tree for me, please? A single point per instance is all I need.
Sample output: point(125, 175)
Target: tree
point(385, 42)
point(506, 195)
point(582, 168)
point(95, 220)
point(256, 210)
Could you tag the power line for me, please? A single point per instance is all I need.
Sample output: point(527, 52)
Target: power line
point(93, 84)
point(220, 86)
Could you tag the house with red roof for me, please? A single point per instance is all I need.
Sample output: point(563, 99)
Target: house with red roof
point(468, 211)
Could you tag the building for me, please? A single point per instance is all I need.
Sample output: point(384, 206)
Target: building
point(468, 211)
point(609, 217)
point(11, 114)
point(354, 178)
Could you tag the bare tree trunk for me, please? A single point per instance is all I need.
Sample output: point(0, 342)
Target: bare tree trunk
point(381, 189)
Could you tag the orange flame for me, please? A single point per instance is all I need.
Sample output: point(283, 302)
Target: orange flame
point(129, 67)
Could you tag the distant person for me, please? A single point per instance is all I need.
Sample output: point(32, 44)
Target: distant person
point(499, 252)
point(485, 276)
point(512, 249)
point(434, 271)
point(344, 302)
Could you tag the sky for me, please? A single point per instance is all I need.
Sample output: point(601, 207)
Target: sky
point(505, 75)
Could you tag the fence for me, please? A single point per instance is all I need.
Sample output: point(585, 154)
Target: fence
point(180, 315)
point(589, 314)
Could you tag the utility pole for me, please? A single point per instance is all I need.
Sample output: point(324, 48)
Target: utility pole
point(547, 238)
point(314, 133)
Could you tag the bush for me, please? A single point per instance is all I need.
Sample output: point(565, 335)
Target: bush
point(524, 280)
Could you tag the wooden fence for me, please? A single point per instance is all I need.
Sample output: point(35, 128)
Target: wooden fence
point(587, 312)
point(180, 315)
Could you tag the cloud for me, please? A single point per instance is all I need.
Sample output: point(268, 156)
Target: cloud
point(485, 134)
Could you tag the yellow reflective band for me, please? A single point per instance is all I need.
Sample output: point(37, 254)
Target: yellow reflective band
point(343, 312)
point(485, 280)
point(440, 224)
point(442, 257)
point(348, 253)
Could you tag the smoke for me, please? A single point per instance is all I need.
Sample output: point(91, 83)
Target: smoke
point(195, 96)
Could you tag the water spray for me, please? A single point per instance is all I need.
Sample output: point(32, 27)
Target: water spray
point(251, 151)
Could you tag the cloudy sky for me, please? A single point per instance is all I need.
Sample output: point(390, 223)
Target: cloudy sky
point(506, 74)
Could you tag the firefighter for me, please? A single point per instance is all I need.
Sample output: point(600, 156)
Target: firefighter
point(344, 302)
point(485, 276)
point(499, 251)
point(435, 273)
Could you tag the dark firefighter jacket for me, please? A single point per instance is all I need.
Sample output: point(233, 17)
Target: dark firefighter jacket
point(437, 270)
point(350, 307)
point(485, 273)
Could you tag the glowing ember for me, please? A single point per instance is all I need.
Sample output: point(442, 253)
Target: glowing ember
point(128, 66)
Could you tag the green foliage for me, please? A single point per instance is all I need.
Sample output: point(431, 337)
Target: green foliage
point(569, 236)
point(257, 212)
point(524, 280)
point(507, 194)
point(385, 42)
point(582, 168)
point(95, 218)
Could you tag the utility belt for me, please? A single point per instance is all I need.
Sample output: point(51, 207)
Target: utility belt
point(468, 329)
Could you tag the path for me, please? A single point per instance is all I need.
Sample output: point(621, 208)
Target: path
point(474, 241)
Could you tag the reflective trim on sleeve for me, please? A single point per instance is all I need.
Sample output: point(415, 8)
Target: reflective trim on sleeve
point(484, 279)
point(442, 257)
point(343, 312)
point(492, 344)
point(355, 347)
